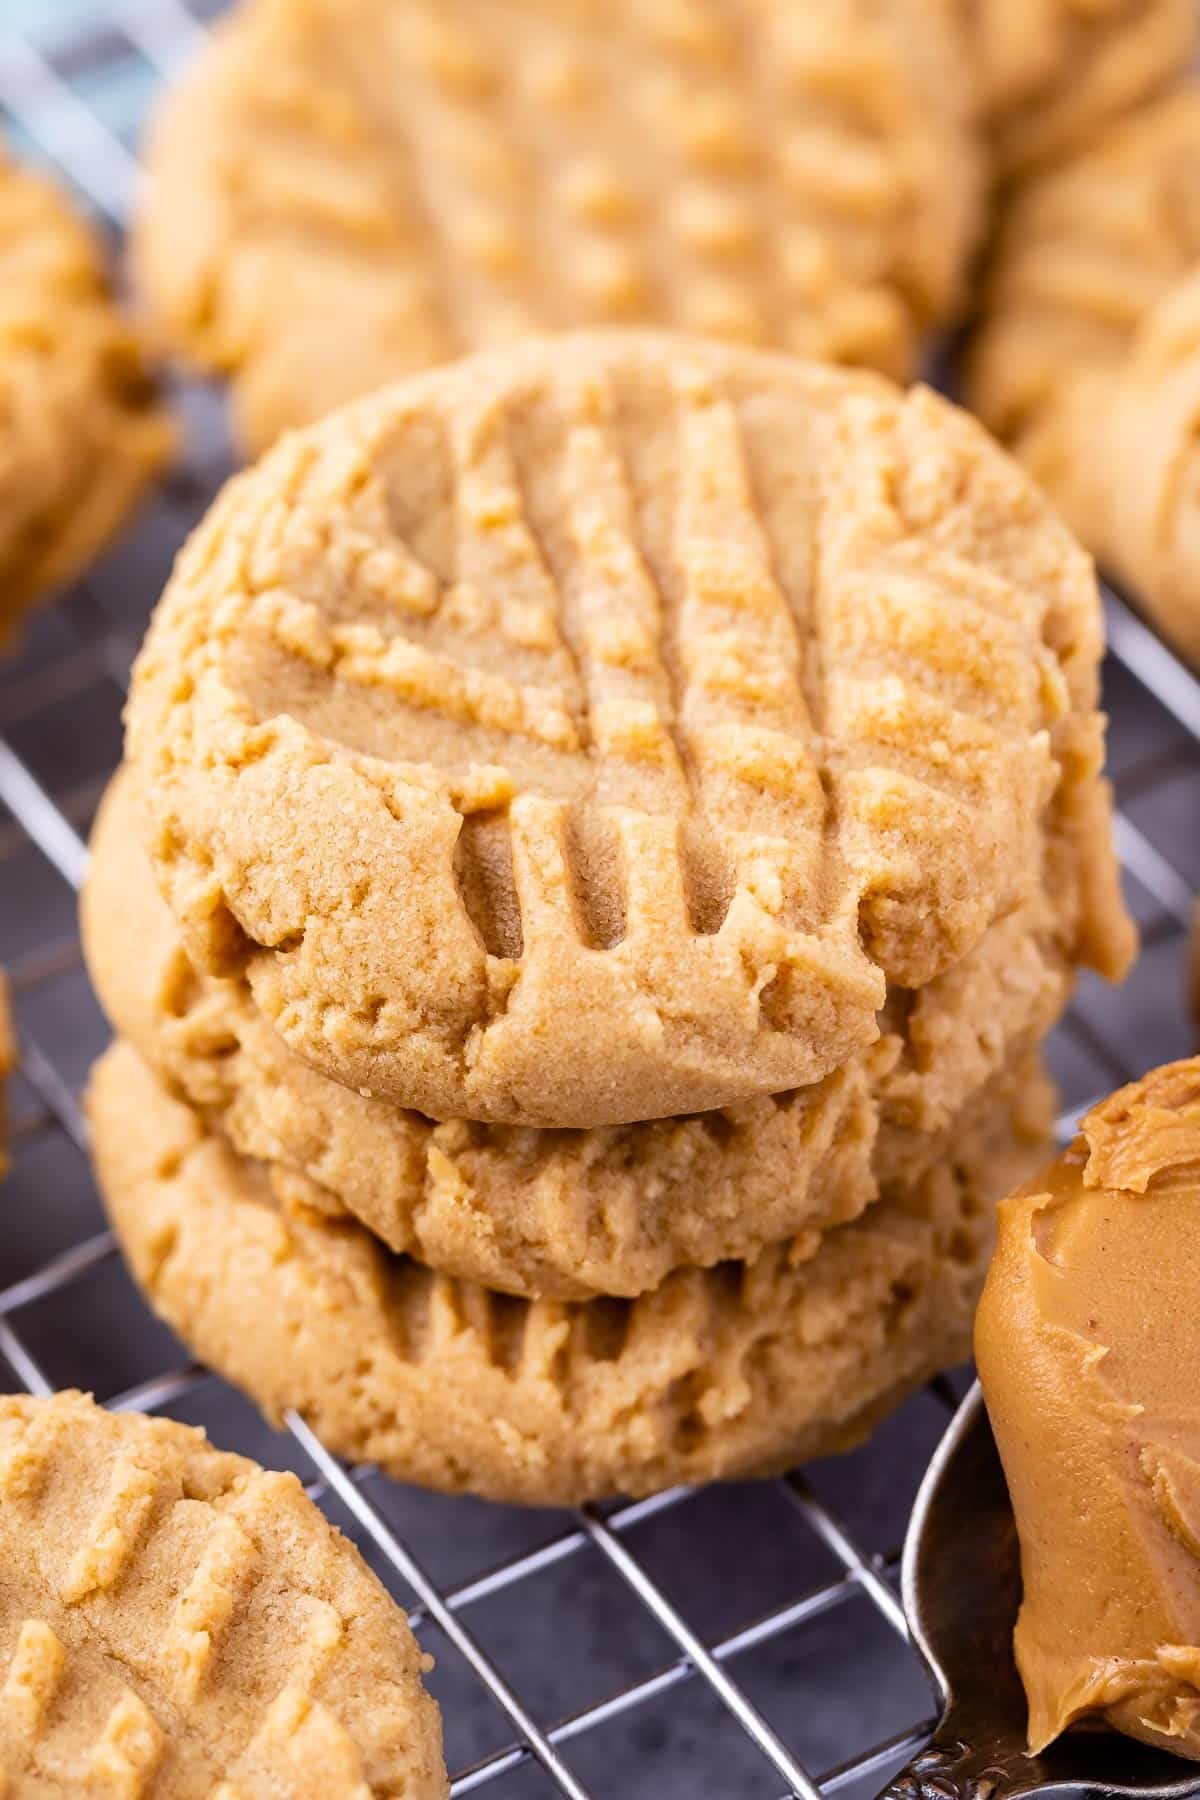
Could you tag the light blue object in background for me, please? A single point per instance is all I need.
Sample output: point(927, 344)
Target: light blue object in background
point(44, 21)
point(76, 80)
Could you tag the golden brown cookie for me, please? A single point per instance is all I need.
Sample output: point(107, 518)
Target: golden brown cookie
point(592, 731)
point(1051, 72)
point(737, 1370)
point(8, 1062)
point(1086, 360)
point(563, 1214)
point(177, 1622)
point(343, 191)
point(81, 433)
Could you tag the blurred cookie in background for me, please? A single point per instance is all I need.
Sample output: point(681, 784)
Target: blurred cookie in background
point(1087, 357)
point(81, 430)
point(1051, 72)
point(343, 191)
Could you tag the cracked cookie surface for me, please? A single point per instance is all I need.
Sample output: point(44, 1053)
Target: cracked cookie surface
point(592, 731)
point(739, 1370)
point(81, 432)
point(1086, 359)
point(448, 175)
point(177, 1623)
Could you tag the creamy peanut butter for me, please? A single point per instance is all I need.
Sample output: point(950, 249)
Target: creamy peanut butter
point(1088, 1343)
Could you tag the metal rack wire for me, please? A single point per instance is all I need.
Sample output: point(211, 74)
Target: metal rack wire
point(744, 1640)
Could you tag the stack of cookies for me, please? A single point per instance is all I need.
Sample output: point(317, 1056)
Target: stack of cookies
point(607, 826)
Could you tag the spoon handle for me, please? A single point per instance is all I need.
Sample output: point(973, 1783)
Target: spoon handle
point(949, 1769)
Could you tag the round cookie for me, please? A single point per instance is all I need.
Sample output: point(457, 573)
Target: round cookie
point(1051, 72)
point(1086, 361)
point(177, 1621)
point(563, 1214)
point(592, 731)
point(738, 1370)
point(344, 191)
point(81, 433)
point(8, 1062)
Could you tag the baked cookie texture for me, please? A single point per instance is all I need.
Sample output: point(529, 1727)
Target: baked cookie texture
point(1053, 72)
point(564, 1214)
point(81, 431)
point(597, 730)
point(742, 1369)
point(8, 1062)
point(1092, 315)
point(177, 1621)
point(455, 174)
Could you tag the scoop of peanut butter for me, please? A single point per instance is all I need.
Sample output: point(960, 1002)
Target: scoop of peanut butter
point(1088, 1344)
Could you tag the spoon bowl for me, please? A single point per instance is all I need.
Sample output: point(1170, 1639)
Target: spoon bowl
point(961, 1587)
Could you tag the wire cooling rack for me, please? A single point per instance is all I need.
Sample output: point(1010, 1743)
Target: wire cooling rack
point(739, 1640)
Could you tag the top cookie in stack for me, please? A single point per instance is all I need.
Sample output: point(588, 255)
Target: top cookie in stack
point(628, 811)
point(596, 731)
point(454, 174)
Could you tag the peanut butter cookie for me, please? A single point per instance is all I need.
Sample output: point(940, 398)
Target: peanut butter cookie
point(1054, 71)
point(344, 191)
point(1086, 360)
point(563, 1214)
point(592, 731)
point(742, 1369)
point(177, 1622)
point(81, 434)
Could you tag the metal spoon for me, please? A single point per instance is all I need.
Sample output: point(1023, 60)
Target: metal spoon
point(961, 1586)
